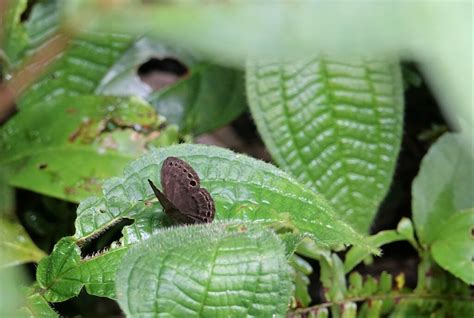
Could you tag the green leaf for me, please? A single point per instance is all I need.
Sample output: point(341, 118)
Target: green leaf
point(7, 195)
point(16, 246)
point(443, 186)
point(216, 270)
point(63, 274)
point(421, 307)
point(453, 248)
point(36, 305)
point(301, 270)
point(348, 310)
point(209, 97)
point(242, 188)
point(355, 284)
point(335, 124)
point(405, 228)
point(76, 128)
point(14, 34)
point(55, 273)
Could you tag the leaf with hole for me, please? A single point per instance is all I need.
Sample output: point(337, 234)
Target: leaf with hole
point(242, 188)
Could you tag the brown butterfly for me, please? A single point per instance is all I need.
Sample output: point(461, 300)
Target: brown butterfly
point(183, 200)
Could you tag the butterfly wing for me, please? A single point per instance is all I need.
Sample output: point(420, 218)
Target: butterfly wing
point(181, 186)
point(177, 178)
point(205, 208)
point(165, 203)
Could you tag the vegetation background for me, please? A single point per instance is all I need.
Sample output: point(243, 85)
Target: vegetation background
point(363, 110)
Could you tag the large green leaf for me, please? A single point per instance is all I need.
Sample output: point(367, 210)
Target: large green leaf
point(453, 249)
point(242, 188)
point(217, 270)
point(335, 124)
point(15, 245)
point(65, 146)
point(444, 186)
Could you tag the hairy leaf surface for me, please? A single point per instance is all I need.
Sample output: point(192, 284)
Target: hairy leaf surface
point(242, 188)
point(63, 274)
point(216, 270)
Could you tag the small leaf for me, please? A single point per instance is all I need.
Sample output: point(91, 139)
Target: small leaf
point(357, 254)
point(301, 265)
point(385, 282)
point(16, 246)
point(63, 274)
point(454, 249)
point(370, 286)
point(333, 279)
point(405, 228)
point(335, 124)
point(301, 270)
point(355, 284)
point(206, 270)
point(443, 186)
point(301, 283)
point(373, 309)
point(52, 274)
point(349, 310)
